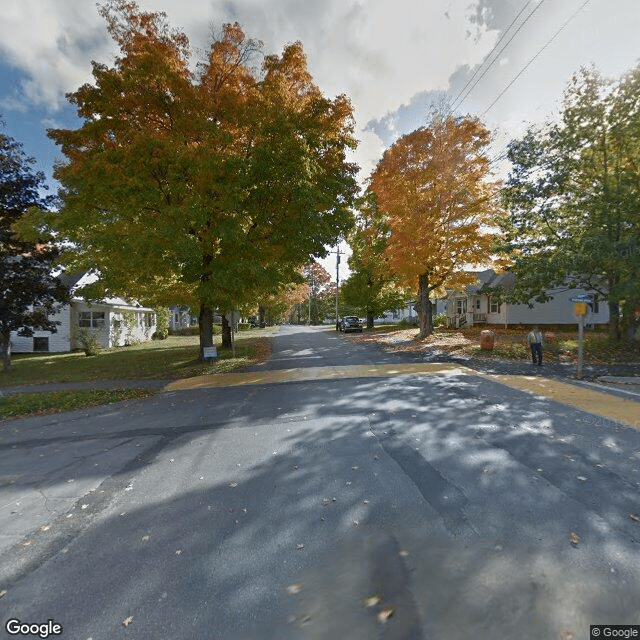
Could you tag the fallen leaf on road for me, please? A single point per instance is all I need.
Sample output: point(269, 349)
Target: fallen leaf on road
point(3, 592)
point(385, 614)
point(145, 538)
point(403, 553)
point(634, 517)
point(365, 502)
point(233, 484)
point(294, 588)
point(45, 527)
point(582, 478)
point(326, 502)
point(574, 539)
point(27, 543)
point(372, 601)
point(300, 546)
point(127, 621)
point(178, 552)
point(355, 467)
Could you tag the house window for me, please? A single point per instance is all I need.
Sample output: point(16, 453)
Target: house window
point(494, 306)
point(91, 319)
point(147, 320)
point(41, 344)
point(461, 306)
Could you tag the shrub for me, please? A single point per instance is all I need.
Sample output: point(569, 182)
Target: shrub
point(243, 326)
point(440, 320)
point(89, 341)
point(160, 334)
point(187, 331)
point(163, 315)
point(404, 323)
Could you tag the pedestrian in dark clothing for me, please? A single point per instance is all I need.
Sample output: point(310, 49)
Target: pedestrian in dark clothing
point(535, 343)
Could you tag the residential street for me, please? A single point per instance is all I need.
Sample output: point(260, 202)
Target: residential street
point(335, 492)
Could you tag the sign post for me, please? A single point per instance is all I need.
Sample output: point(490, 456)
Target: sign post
point(581, 307)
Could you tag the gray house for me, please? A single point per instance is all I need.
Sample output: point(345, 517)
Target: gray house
point(475, 305)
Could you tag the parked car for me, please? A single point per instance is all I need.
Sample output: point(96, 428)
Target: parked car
point(350, 323)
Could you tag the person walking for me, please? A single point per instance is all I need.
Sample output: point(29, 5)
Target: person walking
point(534, 338)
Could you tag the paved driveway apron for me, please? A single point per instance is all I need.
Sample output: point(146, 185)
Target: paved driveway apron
point(335, 492)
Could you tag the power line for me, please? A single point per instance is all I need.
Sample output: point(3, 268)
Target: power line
point(496, 58)
point(553, 37)
point(495, 46)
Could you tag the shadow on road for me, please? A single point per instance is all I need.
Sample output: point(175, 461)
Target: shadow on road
point(449, 505)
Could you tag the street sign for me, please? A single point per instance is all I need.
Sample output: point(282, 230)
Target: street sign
point(209, 353)
point(580, 309)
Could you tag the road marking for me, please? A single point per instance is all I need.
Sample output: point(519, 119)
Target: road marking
point(598, 403)
point(314, 373)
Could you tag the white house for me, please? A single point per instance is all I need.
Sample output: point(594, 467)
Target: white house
point(409, 312)
point(115, 322)
point(475, 305)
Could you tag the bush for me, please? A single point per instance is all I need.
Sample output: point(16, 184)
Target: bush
point(89, 341)
point(440, 320)
point(243, 326)
point(186, 331)
point(404, 323)
point(161, 334)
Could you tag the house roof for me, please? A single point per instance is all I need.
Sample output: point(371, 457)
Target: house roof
point(78, 280)
point(486, 280)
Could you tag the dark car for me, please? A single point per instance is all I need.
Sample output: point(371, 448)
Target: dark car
point(350, 323)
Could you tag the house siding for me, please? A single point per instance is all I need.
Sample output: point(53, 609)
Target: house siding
point(556, 311)
point(59, 342)
point(65, 339)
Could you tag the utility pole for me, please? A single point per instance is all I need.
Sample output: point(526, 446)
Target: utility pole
point(337, 282)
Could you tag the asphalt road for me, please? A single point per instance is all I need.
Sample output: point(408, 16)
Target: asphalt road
point(409, 507)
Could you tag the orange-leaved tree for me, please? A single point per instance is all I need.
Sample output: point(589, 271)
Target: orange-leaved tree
point(434, 187)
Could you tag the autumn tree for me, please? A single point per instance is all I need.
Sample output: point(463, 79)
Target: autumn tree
point(433, 187)
point(573, 196)
point(319, 281)
point(29, 292)
point(209, 189)
point(371, 287)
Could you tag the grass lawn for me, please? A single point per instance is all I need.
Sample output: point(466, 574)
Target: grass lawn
point(56, 401)
point(175, 357)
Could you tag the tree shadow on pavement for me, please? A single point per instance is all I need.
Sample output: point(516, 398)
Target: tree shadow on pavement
point(402, 508)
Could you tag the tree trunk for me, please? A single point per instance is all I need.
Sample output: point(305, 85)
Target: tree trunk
point(614, 320)
point(369, 320)
point(261, 316)
point(226, 332)
point(5, 346)
point(424, 307)
point(205, 325)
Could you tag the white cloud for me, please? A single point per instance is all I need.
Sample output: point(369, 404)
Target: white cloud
point(389, 56)
point(53, 43)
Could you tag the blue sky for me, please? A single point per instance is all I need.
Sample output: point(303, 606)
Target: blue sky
point(394, 58)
